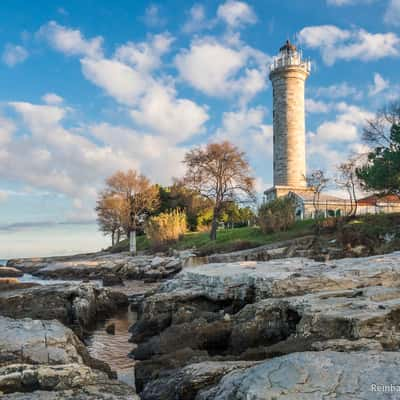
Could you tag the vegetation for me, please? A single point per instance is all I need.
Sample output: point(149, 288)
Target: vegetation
point(135, 198)
point(378, 233)
point(220, 173)
point(227, 239)
point(277, 215)
point(318, 182)
point(382, 171)
point(165, 228)
point(180, 197)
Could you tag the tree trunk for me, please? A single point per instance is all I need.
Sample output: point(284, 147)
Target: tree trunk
point(132, 243)
point(113, 238)
point(118, 236)
point(214, 225)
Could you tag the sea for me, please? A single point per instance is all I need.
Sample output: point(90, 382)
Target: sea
point(3, 262)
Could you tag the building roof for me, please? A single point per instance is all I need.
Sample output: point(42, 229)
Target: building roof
point(308, 195)
point(288, 47)
point(375, 199)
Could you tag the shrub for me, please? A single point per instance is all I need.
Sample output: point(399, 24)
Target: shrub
point(277, 215)
point(165, 228)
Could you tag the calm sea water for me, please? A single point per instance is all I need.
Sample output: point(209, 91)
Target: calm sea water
point(3, 262)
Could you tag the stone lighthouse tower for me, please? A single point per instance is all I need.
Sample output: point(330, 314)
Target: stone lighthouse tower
point(288, 74)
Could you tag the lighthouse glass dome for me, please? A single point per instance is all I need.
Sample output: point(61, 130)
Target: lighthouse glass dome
point(289, 56)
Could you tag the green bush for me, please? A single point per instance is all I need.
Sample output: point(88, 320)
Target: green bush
point(277, 215)
point(165, 228)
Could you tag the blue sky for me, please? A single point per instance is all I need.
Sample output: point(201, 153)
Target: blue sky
point(89, 87)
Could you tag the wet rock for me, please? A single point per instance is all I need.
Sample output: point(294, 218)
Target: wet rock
point(9, 272)
point(110, 329)
point(77, 305)
point(311, 375)
point(112, 280)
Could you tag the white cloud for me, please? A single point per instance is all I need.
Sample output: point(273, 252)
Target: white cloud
point(246, 128)
point(334, 140)
point(197, 20)
point(236, 13)
point(7, 128)
point(14, 54)
point(145, 56)
point(119, 80)
point(74, 162)
point(379, 85)
point(177, 119)
point(52, 99)
point(392, 14)
point(336, 44)
point(220, 70)
point(315, 106)
point(153, 17)
point(337, 91)
point(339, 3)
point(70, 41)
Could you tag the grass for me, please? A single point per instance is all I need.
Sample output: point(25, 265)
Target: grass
point(227, 239)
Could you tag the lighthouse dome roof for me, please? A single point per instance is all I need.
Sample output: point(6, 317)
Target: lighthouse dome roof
point(288, 47)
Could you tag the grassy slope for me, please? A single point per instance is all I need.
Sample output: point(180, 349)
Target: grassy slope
point(227, 240)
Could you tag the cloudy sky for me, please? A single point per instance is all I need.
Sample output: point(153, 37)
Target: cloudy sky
point(92, 86)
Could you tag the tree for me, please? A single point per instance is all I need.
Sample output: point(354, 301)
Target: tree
point(318, 182)
point(180, 197)
point(139, 198)
point(220, 173)
point(381, 172)
point(109, 215)
point(347, 180)
point(277, 215)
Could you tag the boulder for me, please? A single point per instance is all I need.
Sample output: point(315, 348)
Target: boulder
point(38, 342)
point(313, 375)
point(56, 382)
point(185, 383)
point(78, 305)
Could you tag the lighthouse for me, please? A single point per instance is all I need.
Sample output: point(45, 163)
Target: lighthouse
point(288, 74)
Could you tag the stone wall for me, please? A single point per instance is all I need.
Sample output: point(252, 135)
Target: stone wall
point(289, 125)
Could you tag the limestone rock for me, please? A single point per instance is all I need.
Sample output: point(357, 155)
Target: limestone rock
point(38, 342)
point(308, 376)
point(112, 268)
point(74, 304)
point(68, 381)
point(185, 383)
point(257, 310)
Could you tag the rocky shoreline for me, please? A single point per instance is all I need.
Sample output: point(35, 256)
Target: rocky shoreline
point(211, 329)
point(282, 327)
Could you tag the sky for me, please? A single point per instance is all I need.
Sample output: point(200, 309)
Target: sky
point(88, 87)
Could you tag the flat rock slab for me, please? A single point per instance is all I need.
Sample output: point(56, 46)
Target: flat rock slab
point(285, 277)
point(109, 267)
point(313, 376)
